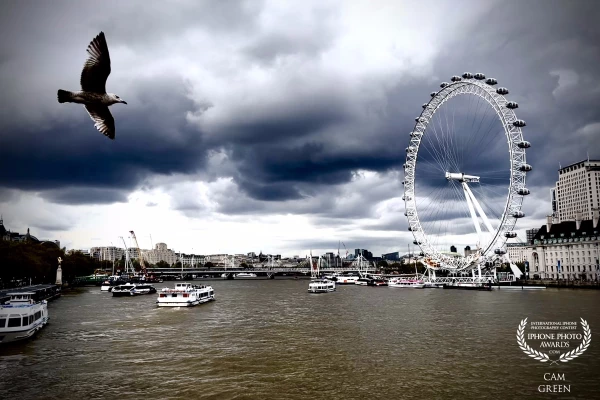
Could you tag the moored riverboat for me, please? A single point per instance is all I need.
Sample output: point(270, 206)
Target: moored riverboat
point(132, 289)
point(469, 286)
point(110, 283)
point(185, 295)
point(246, 275)
point(363, 281)
point(377, 281)
point(21, 317)
point(406, 283)
point(347, 279)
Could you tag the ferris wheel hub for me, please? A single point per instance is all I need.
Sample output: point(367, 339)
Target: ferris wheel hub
point(459, 176)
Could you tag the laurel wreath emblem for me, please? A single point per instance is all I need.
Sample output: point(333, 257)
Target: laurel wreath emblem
point(587, 338)
point(543, 357)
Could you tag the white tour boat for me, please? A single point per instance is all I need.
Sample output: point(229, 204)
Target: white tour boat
point(111, 282)
point(318, 285)
point(406, 283)
point(185, 295)
point(21, 317)
point(132, 289)
point(321, 286)
point(347, 279)
point(432, 285)
point(246, 275)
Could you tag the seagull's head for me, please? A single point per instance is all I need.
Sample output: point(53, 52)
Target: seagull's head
point(116, 99)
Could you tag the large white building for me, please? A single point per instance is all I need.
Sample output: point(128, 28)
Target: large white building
point(113, 253)
point(577, 191)
point(160, 253)
point(566, 250)
point(107, 253)
point(518, 252)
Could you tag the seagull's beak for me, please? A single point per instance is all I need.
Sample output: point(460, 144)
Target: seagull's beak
point(123, 101)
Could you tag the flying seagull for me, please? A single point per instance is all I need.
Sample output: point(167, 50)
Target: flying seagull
point(93, 87)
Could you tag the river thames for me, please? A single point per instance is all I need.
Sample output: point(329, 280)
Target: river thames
point(270, 339)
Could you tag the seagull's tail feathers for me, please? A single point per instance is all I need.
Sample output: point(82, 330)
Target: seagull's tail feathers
point(64, 96)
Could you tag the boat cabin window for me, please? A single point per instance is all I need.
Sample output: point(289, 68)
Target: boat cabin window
point(174, 295)
point(14, 322)
point(2, 322)
point(38, 315)
point(25, 321)
point(31, 319)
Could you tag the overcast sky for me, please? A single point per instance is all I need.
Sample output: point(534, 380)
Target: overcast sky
point(274, 126)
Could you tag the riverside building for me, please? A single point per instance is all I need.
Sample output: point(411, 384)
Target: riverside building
point(567, 246)
point(577, 191)
point(160, 253)
point(567, 250)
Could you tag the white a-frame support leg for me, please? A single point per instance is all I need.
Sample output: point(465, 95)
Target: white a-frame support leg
point(472, 211)
point(486, 221)
point(474, 204)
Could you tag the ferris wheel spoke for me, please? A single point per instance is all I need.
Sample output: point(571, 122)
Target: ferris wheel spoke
point(446, 148)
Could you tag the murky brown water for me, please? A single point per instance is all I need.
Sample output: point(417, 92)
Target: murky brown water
point(270, 339)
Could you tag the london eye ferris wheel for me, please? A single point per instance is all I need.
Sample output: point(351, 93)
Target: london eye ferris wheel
point(464, 175)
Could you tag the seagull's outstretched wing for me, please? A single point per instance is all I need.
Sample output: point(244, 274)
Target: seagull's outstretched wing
point(97, 67)
point(103, 119)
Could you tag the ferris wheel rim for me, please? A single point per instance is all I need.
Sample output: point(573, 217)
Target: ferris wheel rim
point(517, 157)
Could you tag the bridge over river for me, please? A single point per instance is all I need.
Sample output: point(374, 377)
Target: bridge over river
point(226, 273)
point(267, 272)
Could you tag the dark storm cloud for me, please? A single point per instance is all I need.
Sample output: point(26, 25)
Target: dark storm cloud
point(267, 167)
point(85, 195)
point(524, 45)
point(303, 146)
point(331, 205)
point(7, 195)
point(135, 23)
point(153, 137)
point(298, 118)
point(318, 34)
point(55, 226)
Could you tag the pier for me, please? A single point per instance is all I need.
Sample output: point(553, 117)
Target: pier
point(41, 292)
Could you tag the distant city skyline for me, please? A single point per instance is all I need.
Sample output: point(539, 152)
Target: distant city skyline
point(252, 133)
